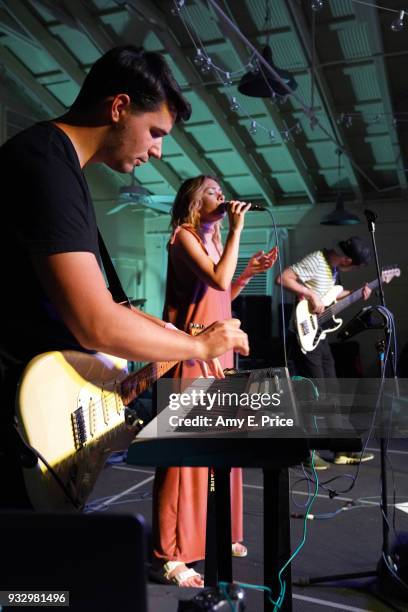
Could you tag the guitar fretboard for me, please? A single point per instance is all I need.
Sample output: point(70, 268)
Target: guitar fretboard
point(138, 382)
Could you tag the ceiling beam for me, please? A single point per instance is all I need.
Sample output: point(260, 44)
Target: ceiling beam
point(48, 42)
point(9, 27)
point(370, 16)
point(19, 72)
point(302, 31)
point(159, 24)
point(92, 26)
point(270, 110)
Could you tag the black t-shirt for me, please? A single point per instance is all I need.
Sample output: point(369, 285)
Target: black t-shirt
point(46, 209)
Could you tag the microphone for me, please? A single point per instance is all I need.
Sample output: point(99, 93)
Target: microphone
point(370, 215)
point(254, 207)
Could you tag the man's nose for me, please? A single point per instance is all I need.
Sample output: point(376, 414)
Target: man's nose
point(156, 149)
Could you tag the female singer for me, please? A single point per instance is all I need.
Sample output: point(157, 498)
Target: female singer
point(199, 290)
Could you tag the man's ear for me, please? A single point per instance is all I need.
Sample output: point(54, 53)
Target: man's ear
point(346, 261)
point(119, 104)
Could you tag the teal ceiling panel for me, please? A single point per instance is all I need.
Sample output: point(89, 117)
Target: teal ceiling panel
point(170, 147)
point(364, 81)
point(65, 92)
point(354, 40)
point(316, 132)
point(279, 14)
point(304, 91)
point(247, 105)
point(243, 186)
point(325, 153)
point(104, 5)
point(46, 15)
point(228, 162)
point(151, 42)
point(117, 21)
point(204, 23)
point(178, 74)
point(263, 136)
point(381, 148)
point(200, 110)
point(79, 45)
point(290, 182)
point(286, 51)
point(160, 188)
point(331, 178)
point(276, 158)
point(183, 166)
point(226, 59)
point(208, 137)
point(148, 174)
point(33, 57)
point(341, 8)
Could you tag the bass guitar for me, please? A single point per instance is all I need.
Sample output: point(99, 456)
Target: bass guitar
point(311, 328)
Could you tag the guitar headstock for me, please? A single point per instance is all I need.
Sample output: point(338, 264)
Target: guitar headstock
point(389, 272)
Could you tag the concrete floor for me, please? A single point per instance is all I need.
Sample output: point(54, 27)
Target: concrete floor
point(346, 541)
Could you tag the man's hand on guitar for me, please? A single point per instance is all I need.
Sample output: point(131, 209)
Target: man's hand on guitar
point(316, 304)
point(366, 292)
point(221, 337)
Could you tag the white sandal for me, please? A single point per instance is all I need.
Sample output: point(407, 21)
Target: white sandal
point(239, 550)
point(179, 577)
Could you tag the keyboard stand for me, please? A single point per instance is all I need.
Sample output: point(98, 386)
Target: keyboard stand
point(274, 457)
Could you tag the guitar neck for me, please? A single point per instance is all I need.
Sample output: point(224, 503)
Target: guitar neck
point(350, 299)
point(138, 382)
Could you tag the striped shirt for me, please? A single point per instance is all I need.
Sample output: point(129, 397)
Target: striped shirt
point(315, 272)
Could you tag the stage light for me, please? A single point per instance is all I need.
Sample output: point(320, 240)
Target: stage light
point(317, 5)
point(398, 24)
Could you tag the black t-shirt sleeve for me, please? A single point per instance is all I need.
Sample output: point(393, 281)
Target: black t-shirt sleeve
point(58, 214)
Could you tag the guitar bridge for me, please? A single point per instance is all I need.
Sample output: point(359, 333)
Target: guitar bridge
point(78, 428)
point(305, 327)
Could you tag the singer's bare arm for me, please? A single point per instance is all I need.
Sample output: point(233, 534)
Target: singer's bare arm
point(219, 275)
point(76, 287)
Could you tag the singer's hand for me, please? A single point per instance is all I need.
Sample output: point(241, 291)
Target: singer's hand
point(236, 212)
point(260, 262)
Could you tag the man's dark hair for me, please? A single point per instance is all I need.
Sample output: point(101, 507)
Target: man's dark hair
point(144, 75)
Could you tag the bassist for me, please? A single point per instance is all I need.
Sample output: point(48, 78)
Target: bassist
point(311, 278)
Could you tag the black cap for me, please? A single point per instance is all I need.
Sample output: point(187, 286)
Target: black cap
point(358, 251)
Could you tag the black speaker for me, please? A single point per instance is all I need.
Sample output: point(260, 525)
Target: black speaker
point(255, 313)
point(98, 558)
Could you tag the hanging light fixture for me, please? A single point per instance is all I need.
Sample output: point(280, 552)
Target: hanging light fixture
point(262, 84)
point(339, 216)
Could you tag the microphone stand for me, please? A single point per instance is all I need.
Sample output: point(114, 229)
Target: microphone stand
point(382, 570)
point(371, 219)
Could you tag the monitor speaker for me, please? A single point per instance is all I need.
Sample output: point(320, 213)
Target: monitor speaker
point(98, 558)
point(255, 313)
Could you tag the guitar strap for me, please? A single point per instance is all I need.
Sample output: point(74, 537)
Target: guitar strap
point(114, 284)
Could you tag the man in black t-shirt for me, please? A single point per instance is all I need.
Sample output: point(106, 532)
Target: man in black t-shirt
point(54, 294)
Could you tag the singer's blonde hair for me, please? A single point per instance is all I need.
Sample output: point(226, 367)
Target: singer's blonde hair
point(187, 204)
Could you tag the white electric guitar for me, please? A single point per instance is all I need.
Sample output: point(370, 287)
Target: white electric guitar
point(312, 328)
point(71, 409)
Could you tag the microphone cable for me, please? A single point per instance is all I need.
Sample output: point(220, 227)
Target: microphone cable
point(267, 210)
